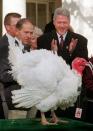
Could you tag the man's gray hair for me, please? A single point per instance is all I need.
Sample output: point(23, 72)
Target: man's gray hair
point(61, 11)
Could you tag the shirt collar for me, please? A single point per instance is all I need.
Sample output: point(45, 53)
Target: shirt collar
point(19, 41)
point(21, 46)
point(64, 36)
point(10, 37)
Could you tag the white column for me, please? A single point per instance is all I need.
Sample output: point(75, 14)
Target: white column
point(18, 6)
point(82, 19)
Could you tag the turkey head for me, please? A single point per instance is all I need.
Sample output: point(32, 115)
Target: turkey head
point(78, 64)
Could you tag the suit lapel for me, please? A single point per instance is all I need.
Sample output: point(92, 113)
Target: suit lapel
point(26, 48)
point(54, 36)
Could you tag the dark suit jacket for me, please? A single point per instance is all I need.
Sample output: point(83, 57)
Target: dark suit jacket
point(49, 27)
point(44, 42)
point(6, 78)
point(87, 79)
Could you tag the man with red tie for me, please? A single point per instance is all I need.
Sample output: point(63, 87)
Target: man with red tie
point(65, 43)
point(74, 45)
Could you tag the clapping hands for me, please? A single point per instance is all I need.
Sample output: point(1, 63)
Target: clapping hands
point(54, 47)
point(72, 45)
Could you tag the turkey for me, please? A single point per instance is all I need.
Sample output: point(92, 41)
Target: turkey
point(47, 82)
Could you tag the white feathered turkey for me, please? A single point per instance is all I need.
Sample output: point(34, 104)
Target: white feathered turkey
point(47, 81)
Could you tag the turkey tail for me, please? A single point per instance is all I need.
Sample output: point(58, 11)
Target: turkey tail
point(25, 98)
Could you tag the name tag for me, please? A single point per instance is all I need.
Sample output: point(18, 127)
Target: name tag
point(78, 112)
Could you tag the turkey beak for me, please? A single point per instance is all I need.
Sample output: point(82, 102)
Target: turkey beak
point(85, 62)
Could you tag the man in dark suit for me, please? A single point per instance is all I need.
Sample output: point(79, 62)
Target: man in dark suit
point(19, 32)
point(10, 25)
point(74, 45)
point(65, 42)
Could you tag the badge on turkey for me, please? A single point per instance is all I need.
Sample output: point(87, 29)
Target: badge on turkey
point(78, 113)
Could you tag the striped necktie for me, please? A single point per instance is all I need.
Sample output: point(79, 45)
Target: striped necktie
point(61, 41)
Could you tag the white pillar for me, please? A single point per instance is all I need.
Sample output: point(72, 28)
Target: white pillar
point(18, 6)
point(82, 19)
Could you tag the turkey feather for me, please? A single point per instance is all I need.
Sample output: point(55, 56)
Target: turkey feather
point(46, 80)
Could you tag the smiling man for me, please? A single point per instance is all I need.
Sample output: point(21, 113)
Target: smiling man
point(74, 45)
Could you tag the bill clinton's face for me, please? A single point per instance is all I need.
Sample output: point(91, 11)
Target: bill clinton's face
point(62, 24)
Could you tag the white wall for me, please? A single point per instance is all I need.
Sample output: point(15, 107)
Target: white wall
point(18, 6)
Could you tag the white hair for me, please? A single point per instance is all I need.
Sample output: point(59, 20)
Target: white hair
point(37, 31)
point(61, 11)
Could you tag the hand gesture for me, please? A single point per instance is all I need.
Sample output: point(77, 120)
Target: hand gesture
point(54, 47)
point(72, 45)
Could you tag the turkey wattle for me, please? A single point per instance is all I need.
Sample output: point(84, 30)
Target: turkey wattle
point(47, 81)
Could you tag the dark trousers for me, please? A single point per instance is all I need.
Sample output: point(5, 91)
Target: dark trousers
point(89, 112)
point(1, 110)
